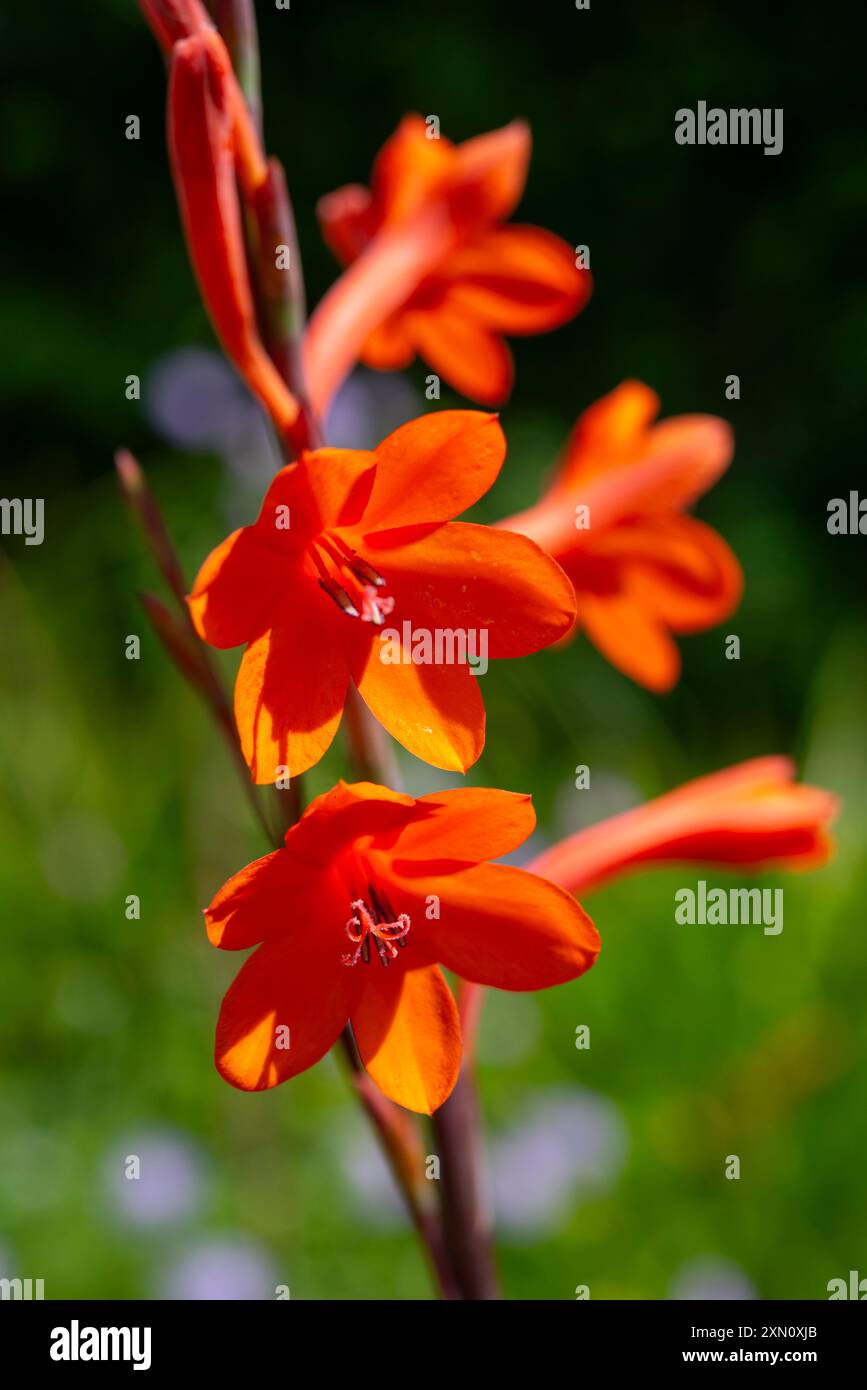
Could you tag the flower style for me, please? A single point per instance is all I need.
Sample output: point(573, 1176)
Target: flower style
point(346, 539)
point(371, 893)
point(753, 814)
point(615, 518)
point(433, 272)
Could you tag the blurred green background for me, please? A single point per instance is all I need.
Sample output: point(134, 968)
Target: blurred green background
point(607, 1164)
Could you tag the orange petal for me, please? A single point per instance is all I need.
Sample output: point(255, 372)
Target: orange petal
point(433, 468)
point(347, 221)
point(270, 897)
point(202, 149)
point(490, 172)
point(388, 348)
point(631, 638)
point(517, 280)
point(435, 712)
point(396, 261)
point(480, 580)
point(473, 360)
point(676, 567)
point(297, 984)
point(751, 814)
point(408, 1034)
point(608, 433)
point(468, 824)
point(235, 590)
point(501, 926)
point(345, 813)
point(621, 465)
point(410, 170)
point(291, 685)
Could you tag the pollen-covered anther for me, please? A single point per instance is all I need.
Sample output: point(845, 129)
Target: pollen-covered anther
point(367, 925)
point(350, 581)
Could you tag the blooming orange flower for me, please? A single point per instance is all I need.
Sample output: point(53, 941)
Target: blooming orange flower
point(371, 894)
point(347, 539)
point(615, 519)
point(211, 143)
point(433, 270)
point(753, 813)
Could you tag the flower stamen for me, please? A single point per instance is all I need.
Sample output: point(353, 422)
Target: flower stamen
point(353, 584)
point(373, 923)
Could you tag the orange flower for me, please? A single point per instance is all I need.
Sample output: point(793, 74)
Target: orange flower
point(753, 813)
point(211, 142)
point(433, 271)
point(346, 539)
point(371, 894)
point(615, 519)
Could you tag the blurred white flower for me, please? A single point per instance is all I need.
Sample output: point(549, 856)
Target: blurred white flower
point(570, 1144)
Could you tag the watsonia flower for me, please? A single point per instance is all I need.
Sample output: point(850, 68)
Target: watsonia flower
point(372, 892)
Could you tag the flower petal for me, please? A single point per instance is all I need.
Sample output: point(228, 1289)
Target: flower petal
point(678, 568)
point(297, 984)
point(500, 926)
point(466, 825)
point(481, 580)
point(347, 221)
point(409, 1036)
point(492, 171)
point(472, 359)
point(235, 590)
point(752, 814)
point(435, 712)
point(410, 169)
point(346, 812)
point(517, 280)
point(252, 902)
point(434, 467)
point(608, 433)
point(291, 685)
point(280, 894)
point(631, 638)
point(389, 347)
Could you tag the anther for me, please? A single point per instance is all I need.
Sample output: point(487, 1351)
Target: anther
point(340, 596)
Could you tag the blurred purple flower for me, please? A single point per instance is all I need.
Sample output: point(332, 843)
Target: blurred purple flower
point(569, 1144)
point(230, 1267)
point(370, 1181)
point(368, 407)
point(172, 1180)
point(195, 401)
point(710, 1277)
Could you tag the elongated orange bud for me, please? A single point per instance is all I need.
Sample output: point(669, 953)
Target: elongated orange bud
point(203, 147)
point(753, 814)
